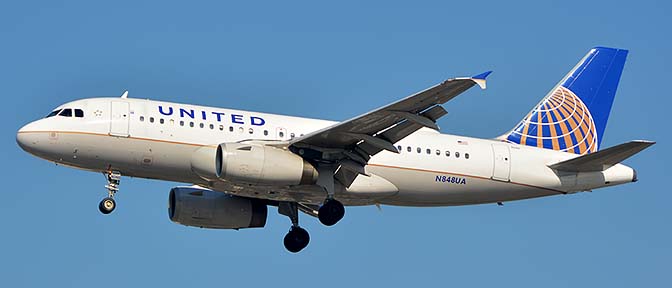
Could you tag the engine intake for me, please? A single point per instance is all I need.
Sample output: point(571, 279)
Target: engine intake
point(204, 208)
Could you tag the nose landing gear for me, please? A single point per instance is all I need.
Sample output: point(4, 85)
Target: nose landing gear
point(107, 205)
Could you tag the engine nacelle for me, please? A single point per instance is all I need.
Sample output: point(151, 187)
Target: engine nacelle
point(204, 208)
point(252, 164)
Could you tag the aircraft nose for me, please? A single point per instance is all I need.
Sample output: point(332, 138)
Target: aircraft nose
point(23, 138)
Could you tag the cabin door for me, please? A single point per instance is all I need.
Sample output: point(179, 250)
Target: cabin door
point(501, 170)
point(119, 118)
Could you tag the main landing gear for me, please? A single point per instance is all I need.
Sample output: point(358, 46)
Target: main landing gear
point(297, 238)
point(107, 205)
point(331, 212)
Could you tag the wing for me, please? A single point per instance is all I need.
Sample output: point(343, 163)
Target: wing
point(350, 144)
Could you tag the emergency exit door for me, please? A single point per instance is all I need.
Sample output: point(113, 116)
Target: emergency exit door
point(119, 118)
point(501, 169)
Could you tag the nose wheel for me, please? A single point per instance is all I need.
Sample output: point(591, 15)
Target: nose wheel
point(107, 205)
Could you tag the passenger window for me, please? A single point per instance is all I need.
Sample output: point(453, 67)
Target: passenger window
point(447, 153)
point(142, 118)
point(66, 113)
point(438, 152)
point(241, 130)
point(265, 132)
point(230, 128)
point(181, 123)
point(399, 148)
point(172, 122)
point(161, 120)
point(291, 135)
point(419, 150)
point(191, 124)
point(251, 130)
point(466, 155)
point(221, 127)
point(53, 113)
point(151, 119)
point(281, 134)
point(212, 126)
point(201, 125)
point(408, 148)
point(79, 113)
point(429, 151)
point(457, 154)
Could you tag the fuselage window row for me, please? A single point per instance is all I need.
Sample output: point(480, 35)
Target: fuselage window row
point(172, 122)
point(80, 113)
point(429, 151)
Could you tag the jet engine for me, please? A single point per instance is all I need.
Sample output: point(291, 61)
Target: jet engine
point(192, 206)
point(255, 164)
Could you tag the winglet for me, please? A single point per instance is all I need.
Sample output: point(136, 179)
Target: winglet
point(125, 95)
point(482, 76)
point(480, 79)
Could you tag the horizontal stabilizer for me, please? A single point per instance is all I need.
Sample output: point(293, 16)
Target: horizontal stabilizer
point(603, 159)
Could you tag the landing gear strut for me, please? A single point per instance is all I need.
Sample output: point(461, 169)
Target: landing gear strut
point(297, 238)
point(107, 205)
point(331, 210)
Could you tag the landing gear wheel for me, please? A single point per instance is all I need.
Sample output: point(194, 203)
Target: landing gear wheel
point(296, 239)
point(331, 212)
point(107, 205)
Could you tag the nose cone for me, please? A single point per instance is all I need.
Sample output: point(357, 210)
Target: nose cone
point(24, 138)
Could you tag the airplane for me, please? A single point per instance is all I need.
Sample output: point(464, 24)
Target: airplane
point(238, 163)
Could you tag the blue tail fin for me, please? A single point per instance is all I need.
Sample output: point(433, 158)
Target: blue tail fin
point(572, 117)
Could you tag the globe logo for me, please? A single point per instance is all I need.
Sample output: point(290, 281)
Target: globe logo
point(560, 122)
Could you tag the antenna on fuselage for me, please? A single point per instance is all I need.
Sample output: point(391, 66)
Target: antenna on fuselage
point(125, 95)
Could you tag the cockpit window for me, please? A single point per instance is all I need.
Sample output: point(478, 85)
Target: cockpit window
point(66, 112)
point(53, 113)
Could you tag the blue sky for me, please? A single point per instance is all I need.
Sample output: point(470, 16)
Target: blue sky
point(334, 61)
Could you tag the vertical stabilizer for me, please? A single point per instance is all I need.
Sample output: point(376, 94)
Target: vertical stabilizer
point(573, 115)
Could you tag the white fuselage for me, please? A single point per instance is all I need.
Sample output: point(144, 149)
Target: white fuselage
point(156, 140)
